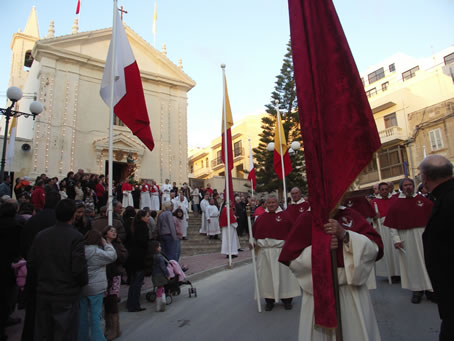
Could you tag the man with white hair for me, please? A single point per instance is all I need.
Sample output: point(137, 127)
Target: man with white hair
point(437, 178)
point(270, 230)
point(407, 219)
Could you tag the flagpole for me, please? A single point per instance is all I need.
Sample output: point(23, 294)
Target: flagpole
point(254, 264)
point(227, 170)
point(282, 156)
point(111, 116)
point(251, 163)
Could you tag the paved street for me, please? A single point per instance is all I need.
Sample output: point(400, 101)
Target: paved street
point(225, 310)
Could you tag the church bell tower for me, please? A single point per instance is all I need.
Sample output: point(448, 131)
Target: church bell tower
point(21, 45)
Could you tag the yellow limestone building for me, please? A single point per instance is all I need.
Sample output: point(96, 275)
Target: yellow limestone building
point(206, 163)
point(64, 73)
point(412, 100)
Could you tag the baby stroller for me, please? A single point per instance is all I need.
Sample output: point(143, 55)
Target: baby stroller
point(172, 288)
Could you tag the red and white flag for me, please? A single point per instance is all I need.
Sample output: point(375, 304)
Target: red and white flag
point(129, 101)
point(78, 7)
point(251, 176)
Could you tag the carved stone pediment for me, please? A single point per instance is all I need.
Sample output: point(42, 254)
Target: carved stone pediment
point(122, 146)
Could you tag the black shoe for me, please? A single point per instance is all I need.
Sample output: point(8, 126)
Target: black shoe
point(234, 256)
point(184, 238)
point(269, 306)
point(240, 250)
point(431, 296)
point(395, 279)
point(417, 297)
point(137, 310)
point(288, 306)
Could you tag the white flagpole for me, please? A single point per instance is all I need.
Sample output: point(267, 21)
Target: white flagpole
point(112, 81)
point(254, 265)
point(380, 230)
point(226, 164)
point(282, 156)
point(251, 163)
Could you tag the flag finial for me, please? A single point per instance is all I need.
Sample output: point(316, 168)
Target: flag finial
point(222, 66)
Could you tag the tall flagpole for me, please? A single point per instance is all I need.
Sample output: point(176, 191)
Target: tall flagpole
point(112, 81)
point(251, 162)
point(227, 170)
point(282, 156)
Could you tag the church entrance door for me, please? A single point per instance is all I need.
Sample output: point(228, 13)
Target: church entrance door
point(120, 171)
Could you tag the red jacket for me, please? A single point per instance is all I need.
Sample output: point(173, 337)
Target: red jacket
point(100, 190)
point(38, 197)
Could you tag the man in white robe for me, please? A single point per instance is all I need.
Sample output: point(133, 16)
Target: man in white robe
point(223, 223)
point(182, 202)
point(126, 188)
point(269, 231)
point(154, 196)
point(212, 214)
point(388, 266)
point(407, 219)
point(165, 189)
point(358, 245)
point(203, 207)
point(144, 195)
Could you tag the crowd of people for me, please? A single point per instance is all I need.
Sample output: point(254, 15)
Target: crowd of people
point(61, 258)
point(63, 262)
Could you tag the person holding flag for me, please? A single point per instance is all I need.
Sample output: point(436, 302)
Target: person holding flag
point(329, 90)
point(357, 247)
point(227, 249)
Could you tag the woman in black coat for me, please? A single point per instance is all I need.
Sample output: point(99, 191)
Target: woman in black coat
point(136, 261)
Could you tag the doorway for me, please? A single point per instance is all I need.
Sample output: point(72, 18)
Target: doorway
point(120, 171)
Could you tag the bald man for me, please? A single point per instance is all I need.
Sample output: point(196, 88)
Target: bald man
point(437, 178)
point(297, 206)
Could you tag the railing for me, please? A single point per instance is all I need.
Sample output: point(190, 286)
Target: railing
point(216, 162)
point(391, 133)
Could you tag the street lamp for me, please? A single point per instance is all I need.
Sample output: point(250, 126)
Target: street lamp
point(15, 94)
point(294, 147)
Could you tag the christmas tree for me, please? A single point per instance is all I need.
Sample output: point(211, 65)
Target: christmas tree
point(285, 93)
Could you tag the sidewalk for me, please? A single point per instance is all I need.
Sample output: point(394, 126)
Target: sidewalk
point(200, 266)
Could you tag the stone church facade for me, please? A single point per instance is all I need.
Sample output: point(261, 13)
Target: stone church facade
point(72, 131)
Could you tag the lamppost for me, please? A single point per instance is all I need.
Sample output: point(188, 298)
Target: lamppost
point(15, 94)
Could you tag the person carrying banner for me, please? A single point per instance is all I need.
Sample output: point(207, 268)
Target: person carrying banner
point(358, 246)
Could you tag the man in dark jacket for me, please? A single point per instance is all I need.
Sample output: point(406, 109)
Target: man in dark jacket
point(39, 222)
point(437, 177)
point(9, 252)
point(57, 264)
point(42, 220)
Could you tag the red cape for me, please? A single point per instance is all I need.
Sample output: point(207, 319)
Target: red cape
point(223, 217)
point(361, 205)
point(145, 188)
point(294, 210)
point(126, 187)
point(300, 236)
point(271, 225)
point(383, 205)
point(408, 213)
point(258, 211)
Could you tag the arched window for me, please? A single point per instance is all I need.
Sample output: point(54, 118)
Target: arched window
point(28, 60)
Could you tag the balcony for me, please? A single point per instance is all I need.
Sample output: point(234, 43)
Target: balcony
point(392, 134)
point(238, 153)
point(216, 163)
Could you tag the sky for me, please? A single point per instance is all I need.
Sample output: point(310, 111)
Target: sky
point(249, 36)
